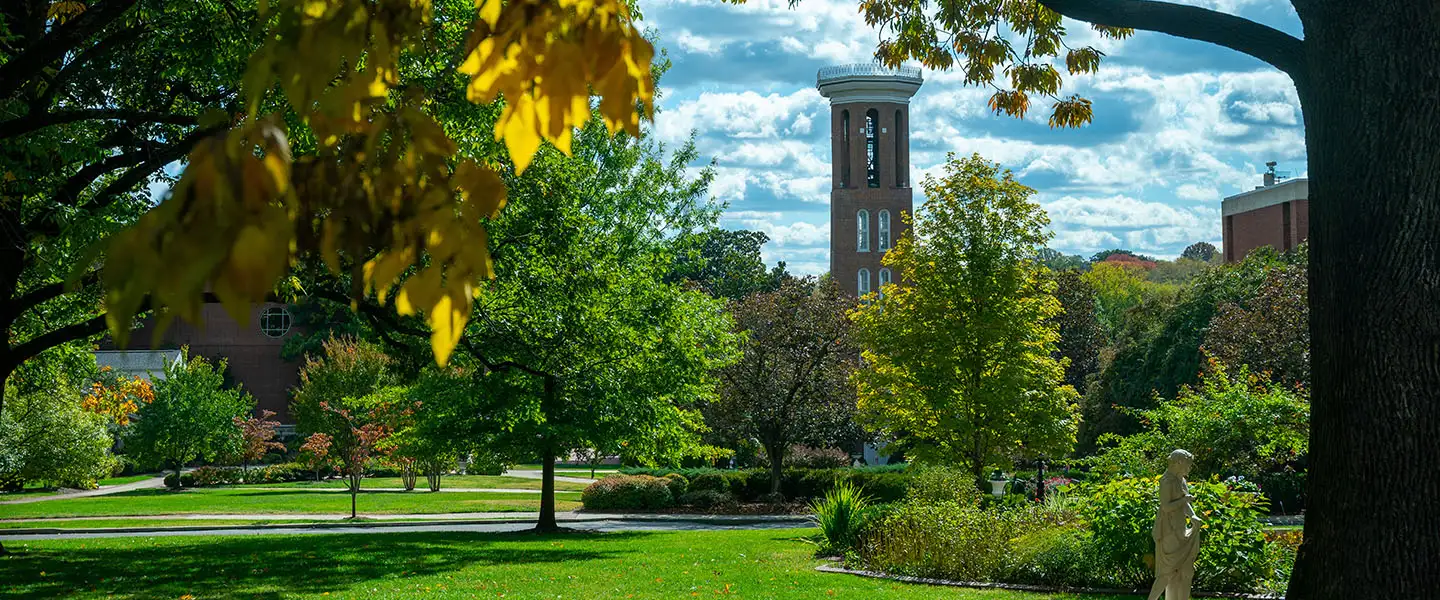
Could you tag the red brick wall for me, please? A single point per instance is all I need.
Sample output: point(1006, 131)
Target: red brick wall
point(846, 202)
point(1265, 226)
point(254, 358)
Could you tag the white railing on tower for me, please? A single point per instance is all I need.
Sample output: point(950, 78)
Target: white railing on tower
point(866, 70)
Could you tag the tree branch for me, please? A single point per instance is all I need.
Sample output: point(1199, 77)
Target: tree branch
point(59, 41)
point(29, 123)
point(49, 292)
point(99, 49)
point(69, 333)
point(144, 170)
point(1273, 46)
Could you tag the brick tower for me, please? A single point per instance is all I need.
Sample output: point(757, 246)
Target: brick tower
point(870, 163)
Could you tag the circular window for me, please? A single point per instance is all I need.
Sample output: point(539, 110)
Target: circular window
point(275, 321)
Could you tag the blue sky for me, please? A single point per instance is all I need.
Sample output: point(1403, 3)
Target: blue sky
point(1178, 125)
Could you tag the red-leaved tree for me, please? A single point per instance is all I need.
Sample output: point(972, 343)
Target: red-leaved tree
point(257, 438)
point(315, 453)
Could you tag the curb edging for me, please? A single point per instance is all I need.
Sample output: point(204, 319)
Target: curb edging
point(1022, 587)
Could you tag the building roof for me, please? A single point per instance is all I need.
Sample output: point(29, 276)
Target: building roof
point(1261, 197)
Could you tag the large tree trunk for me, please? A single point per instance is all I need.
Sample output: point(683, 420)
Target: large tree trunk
point(1372, 119)
point(547, 523)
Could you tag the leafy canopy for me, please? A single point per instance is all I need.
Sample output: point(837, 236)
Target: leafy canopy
point(192, 416)
point(1022, 39)
point(378, 190)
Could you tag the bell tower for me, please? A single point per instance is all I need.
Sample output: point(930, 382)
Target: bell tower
point(870, 165)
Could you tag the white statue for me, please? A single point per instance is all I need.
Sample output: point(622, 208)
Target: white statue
point(1176, 532)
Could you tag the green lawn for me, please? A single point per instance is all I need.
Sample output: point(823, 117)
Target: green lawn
point(171, 521)
point(245, 501)
point(453, 481)
point(128, 479)
point(747, 564)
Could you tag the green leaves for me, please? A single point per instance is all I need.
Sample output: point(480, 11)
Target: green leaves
point(959, 362)
point(978, 35)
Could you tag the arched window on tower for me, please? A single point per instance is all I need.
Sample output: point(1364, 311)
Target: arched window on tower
point(884, 225)
point(872, 148)
point(845, 148)
point(899, 136)
point(862, 231)
point(862, 282)
point(884, 281)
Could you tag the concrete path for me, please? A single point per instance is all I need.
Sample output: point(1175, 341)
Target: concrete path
point(589, 522)
point(538, 474)
point(144, 484)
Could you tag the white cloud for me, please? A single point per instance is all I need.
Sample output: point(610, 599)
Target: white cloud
point(1197, 193)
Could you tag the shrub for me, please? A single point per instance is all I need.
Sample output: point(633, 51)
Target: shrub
point(933, 485)
point(187, 480)
point(947, 540)
point(715, 482)
point(1057, 556)
point(1121, 514)
point(627, 492)
point(205, 476)
point(172, 481)
point(48, 436)
point(706, 499)
point(806, 457)
point(677, 483)
point(840, 515)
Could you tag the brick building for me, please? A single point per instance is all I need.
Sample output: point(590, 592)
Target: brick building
point(1274, 214)
point(252, 349)
point(870, 165)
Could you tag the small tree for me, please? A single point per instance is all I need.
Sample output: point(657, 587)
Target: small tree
point(257, 438)
point(958, 361)
point(192, 416)
point(365, 426)
point(792, 384)
point(315, 453)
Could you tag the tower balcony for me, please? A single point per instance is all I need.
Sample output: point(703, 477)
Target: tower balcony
point(872, 82)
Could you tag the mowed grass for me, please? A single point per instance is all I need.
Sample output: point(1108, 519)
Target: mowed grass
point(174, 521)
point(128, 479)
point(452, 481)
point(247, 501)
point(768, 564)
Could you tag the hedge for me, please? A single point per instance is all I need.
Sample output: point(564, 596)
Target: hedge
point(628, 492)
point(882, 484)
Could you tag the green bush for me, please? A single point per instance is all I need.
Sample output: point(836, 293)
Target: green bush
point(627, 492)
point(714, 482)
point(706, 499)
point(677, 483)
point(171, 481)
point(932, 485)
point(947, 540)
point(187, 480)
point(841, 517)
point(1057, 556)
point(1121, 514)
point(46, 436)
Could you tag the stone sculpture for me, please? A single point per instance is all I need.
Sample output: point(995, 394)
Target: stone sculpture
point(1176, 532)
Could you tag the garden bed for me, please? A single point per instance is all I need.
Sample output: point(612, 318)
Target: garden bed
point(1018, 587)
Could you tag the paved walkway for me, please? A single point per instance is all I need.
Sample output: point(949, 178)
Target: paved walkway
point(538, 474)
point(590, 522)
point(144, 484)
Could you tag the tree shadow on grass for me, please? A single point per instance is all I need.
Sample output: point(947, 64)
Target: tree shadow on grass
point(272, 566)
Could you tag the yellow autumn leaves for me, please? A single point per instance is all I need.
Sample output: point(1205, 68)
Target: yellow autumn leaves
point(383, 194)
